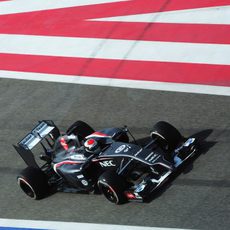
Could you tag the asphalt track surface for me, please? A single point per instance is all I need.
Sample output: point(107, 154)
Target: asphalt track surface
point(197, 198)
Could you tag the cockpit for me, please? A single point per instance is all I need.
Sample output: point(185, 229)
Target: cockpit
point(68, 147)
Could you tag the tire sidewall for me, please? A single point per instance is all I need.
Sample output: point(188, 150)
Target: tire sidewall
point(81, 129)
point(167, 134)
point(115, 184)
point(35, 181)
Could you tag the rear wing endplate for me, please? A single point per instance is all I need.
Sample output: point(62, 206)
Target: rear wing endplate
point(44, 129)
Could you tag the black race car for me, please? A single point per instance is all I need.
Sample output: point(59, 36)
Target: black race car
point(105, 161)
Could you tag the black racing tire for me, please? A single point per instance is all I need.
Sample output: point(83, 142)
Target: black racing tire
point(169, 137)
point(80, 129)
point(113, 186)
point(33, 183)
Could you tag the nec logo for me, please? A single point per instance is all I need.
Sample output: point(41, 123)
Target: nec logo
point(107, 163)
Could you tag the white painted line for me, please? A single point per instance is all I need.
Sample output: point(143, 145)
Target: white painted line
point(148, 85)
point(21, 6)
point(209, 15)
point(116, 49)
point(57, 225)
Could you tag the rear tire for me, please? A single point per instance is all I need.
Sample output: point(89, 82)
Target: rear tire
point(169, 137)
point(33, 182)
point(113, 187)
point(80, 129)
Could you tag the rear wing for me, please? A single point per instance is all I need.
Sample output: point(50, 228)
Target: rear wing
point(46, 131)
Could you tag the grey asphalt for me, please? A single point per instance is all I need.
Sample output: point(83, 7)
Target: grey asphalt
point(198, 198)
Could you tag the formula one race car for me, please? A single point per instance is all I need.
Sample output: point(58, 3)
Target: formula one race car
point(105, 161)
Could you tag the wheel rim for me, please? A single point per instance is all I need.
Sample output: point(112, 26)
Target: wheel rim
point(109, 193)
point(27, 188)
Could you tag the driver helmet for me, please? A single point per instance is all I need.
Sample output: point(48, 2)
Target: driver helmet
point(92, 146)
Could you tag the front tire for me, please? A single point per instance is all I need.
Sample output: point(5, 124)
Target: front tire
point(33, 183)
point(169, 137)
point(113, 187)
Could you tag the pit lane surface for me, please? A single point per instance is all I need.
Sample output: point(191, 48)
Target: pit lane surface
point(198, 198)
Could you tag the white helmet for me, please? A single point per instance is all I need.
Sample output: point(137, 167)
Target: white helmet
point(92, 146)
